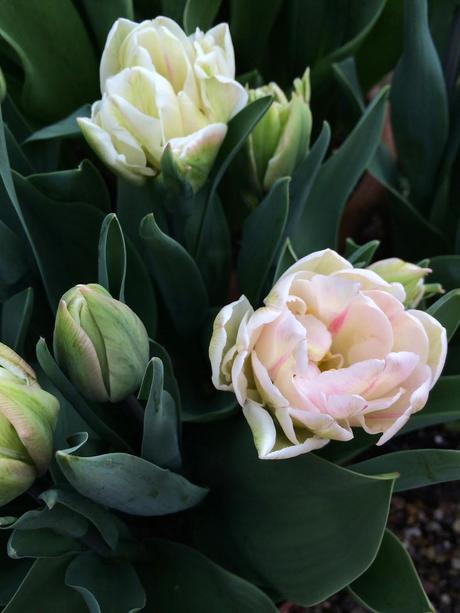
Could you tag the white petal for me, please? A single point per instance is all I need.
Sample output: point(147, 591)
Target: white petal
point(437, 338)
point(223, 338)
point(110, 60)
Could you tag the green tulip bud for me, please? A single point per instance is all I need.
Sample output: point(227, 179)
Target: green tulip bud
point(100, 343)
point(28, 417)
point(280, 140)
point(411, 276)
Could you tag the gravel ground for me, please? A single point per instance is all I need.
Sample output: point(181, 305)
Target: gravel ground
point(428, 523)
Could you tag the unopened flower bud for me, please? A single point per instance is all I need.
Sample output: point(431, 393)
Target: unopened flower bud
point(281, 139)
point(100, 343)
point(28, 417)
point(411, 277)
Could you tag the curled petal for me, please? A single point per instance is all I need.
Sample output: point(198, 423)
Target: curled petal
point(437, 337)
point(269, 445)
point(223, 339)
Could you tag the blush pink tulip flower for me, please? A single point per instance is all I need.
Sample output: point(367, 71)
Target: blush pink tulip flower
point(332, 349)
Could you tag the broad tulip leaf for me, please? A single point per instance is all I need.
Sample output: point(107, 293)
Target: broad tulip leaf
point(347, 77)
point(250, 25)
point(338, 453)
point(12, 573)
point(177, 276)
point(304, 177)
point(102, 15)
point(106, 585)
point(416, 468)
point(56, 54)
point(182, 580)
point(391, 583)
point(420, 130)
point(413, 235)
point(82, 184)
point(318, 225)
point(170, 381)
point(13, 263)
point(446, 271)
point(286, 259)
point(259, 516)
point(101, 519)
point(356, 24)
point(63, 236)
point(43, 589)
point(200, 14)
point(16, 316)
point(360, 255)
point(261, 240)
point(447, 311)
point(60, 519)
point(96, 416)
point(64, 128)
point(379, 53)
point(239, 129)
point(160, 438)
point(112, 257)
point(128, 483)
point(41, 543)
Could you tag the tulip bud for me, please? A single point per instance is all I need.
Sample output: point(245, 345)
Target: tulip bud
point(280, 140)
point(411, 277)
point(28, 416)
point(100, 343)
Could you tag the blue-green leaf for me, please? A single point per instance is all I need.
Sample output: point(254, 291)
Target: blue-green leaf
point(391, 583)
point(106, 585)
point(160, 439)
point(177, 276)
point(416, 467)
point(419, 105)
point(318, 225)
point(112, 257)
point(128, 483)
point(261, 240)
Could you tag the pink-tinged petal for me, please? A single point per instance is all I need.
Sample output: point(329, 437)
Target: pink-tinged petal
point(414, 398)
point(286, 382)
point(269, 393)
point(409, 333)
point(322, 425)
point(364, 333)
point(344, 406)
point(278, 341)
point(355, 379)
point(398, 367)
point(251, 327)
point(369, 280)
point(380, 404)
point(318, 337)
point(223, 339)
point(437, 338)
point(327, 298)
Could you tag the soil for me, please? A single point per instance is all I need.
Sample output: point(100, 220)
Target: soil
point(427, 521)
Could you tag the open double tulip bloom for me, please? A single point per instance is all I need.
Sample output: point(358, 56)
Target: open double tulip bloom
point(100, 343)
point(280, 140)
point(162, 88)
point(28, 417)
point(332, 349)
